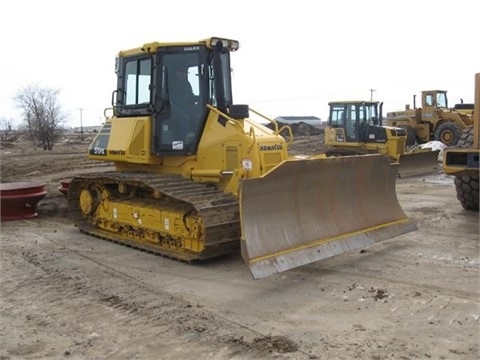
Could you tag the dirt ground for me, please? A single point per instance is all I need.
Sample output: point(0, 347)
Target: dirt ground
point(67, 295)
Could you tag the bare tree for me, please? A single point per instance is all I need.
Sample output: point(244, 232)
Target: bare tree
point(42, 114)
point(6, 128)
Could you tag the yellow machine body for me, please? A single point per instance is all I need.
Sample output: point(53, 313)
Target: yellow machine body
point(393, 145)
point(355, 128)
point(225, 155)
point(227, 182)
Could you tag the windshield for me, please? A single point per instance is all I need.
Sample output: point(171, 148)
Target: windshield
point(442, 100)
point(369, 114)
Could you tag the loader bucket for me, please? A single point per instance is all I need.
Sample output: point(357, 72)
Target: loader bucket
point(311, 209)
point(418, 163)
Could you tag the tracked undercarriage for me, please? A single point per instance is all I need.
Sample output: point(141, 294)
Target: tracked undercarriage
point(161, 213)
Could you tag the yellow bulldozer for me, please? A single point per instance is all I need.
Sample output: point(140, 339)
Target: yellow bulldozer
point(462, 161)
point(195, 177)
point(355, 128)
point(434, 120)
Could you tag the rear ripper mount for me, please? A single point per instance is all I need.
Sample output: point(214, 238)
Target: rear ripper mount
point(19, 199)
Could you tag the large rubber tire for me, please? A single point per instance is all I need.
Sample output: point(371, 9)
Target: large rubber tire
point(448, 133)
point(467, 185)
point(466, 139)
point(467, 191)
point(411, 136)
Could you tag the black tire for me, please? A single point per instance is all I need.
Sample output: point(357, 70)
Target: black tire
point(467, 191)
point(448, 133)
point(466, 139)
point(467, 185)
point(411, 136)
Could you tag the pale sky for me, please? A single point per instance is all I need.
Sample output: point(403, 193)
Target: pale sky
point(294, 56)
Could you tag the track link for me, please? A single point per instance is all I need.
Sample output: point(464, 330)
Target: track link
point(219, 211)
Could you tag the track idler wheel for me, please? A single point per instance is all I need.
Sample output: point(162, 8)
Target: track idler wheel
point(89, 201)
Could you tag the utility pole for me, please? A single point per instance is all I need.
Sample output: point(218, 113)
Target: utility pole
point(81, 124)
point(371, 94)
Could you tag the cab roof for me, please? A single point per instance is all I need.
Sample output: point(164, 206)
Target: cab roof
point(152, 47)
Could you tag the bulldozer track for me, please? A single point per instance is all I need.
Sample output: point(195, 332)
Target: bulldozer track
point(218, 210)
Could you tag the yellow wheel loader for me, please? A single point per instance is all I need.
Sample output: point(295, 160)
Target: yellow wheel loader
point(462, 161)
point(434, 120)
point(195, 177)
point(355, 128)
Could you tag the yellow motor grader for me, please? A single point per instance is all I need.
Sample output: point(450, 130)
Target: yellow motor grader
point(355, 128)
point(195, 177)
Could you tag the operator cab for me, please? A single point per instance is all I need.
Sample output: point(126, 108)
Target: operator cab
point(360, 120)
point(435, 99)
point(174, 83)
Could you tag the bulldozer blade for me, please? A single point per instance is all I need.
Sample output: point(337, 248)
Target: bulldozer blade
point(306, 210)
point(418, 163)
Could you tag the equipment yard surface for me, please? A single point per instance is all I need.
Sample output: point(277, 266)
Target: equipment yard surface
point(67, 295)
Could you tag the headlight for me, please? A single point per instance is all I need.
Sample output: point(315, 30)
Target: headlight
point(231, 45)
point(398, 132)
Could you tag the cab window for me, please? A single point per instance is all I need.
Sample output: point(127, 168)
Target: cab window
point(429, 100)
point(137, 81)
point(442, 100)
